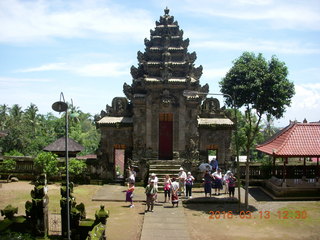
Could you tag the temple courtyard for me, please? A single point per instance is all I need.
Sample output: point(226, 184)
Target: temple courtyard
point(199, 218)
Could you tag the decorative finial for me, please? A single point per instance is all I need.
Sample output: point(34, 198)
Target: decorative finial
point(166, 11)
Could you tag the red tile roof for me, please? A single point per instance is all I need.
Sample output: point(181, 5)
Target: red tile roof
point(295, 140)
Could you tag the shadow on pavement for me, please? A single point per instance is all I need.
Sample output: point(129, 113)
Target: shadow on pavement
point(259, 195)
point(221, 207)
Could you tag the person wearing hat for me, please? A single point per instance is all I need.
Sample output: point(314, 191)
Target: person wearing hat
point(182, 176)
point(225, 181)
point(155, 179)
point(217, 176)
point(189, 184)
point(150, 192)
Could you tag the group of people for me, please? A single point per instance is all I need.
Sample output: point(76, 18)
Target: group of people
point(173, 188)
point(182, 184)
point(216, 180)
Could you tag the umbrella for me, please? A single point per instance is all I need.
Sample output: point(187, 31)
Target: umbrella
point(205, 166)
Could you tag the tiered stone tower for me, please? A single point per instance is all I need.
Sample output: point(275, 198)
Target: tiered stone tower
point(156, 121)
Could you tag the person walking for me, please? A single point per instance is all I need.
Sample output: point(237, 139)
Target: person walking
point(167, 188)
point(182, 181)
point(232, 184)
point(150, 192)
point(207, 183)
point(129, 194)
point(174, 192)
point(189, 184)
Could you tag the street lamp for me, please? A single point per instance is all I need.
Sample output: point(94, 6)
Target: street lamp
point(62, 106)
point(191, 93)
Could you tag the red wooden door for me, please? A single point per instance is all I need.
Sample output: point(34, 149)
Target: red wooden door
point(165, 136)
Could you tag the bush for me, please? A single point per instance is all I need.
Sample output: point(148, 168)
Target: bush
point(47, 162)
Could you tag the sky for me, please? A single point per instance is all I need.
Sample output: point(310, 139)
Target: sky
point(85, 48)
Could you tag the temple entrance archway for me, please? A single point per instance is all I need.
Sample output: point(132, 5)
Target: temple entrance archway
point(119, 160)
point(165, 136)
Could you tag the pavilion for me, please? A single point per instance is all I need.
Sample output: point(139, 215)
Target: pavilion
point(297, 140)
point(58, 147)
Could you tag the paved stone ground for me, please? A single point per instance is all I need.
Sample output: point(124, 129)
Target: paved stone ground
point(165, 222)
point(115, 193)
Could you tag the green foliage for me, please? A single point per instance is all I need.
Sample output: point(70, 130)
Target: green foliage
point(258, 84)
point(8, 165)
point(46, 162)
point(8, 235)
point(262, 88)
point(28, 132)
point(76, 167)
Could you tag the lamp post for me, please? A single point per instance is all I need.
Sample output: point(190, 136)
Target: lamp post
point(191, 93)
point(62, 106)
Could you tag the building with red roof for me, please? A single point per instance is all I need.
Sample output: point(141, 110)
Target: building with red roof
point(295, 140)
point(298, 140)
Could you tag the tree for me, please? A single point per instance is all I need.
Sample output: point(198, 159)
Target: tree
point(7, 166)
point(47, 162)
point(260, 87)
point(76, 168)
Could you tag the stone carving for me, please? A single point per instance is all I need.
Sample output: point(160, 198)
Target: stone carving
point(147, 43)
point(205, 88)
point(166, 73)
point(185, 43)
point(197, 72)
point(9, 211)
point(37, 209)
point(211, 105)
point(141, 57)
point(166, 41)
point(128, 91)
point(167, 99)
point(191, 57)
point(166, 57)
point(134, 72)
point(192, 150)
point(119, 107)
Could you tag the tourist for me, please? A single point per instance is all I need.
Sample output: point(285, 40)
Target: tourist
point(217, 176)
point(151, 192)
point(167, 188)
point(207, 183)
point(174, 192)
point(189, 184)
point(225, 181)
point(232, 184)
point(155, 180)
point(129, 194)
point(132, 175)
point(182, 181)
point(214, 164)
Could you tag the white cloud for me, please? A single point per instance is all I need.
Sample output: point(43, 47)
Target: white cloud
point(46, 67)
point(307, 97)
point(259, 45)
point(12, 81)
point(104, 69)
point(33, 21)
point(285, 14)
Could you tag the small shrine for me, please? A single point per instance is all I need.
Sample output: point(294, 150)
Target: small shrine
point(59, 147)
point(155, 120)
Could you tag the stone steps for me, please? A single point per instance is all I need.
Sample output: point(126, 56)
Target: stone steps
point(163, 167)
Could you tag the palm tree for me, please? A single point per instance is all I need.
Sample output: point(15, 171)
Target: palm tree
point(15, 113)
point(4, 109)
point(31, 117)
